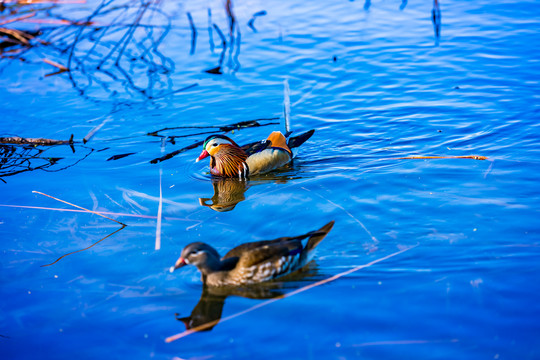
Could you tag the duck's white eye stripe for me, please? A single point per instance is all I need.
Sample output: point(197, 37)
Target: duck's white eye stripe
point(216, 142)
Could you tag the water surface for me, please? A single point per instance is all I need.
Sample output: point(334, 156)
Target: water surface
point(375, 82)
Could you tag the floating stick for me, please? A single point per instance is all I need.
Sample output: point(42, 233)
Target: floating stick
point(55, 64)
point(286, 105)
point(101, 212)
point(404, 342)
point(34, 141)
point(95, 130)
point(79, 207)
point(17, 19)
point(292, 293)
point(473, 157)
point(20, 37)
point(160, 206)
point(46, 1)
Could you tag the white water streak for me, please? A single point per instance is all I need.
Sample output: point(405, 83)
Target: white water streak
point(287, 105)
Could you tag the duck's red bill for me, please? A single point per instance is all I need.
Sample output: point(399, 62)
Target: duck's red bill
point(179, 263)
point(203, 155)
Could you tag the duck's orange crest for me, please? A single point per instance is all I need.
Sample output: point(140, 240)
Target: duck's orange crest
point(278, 141)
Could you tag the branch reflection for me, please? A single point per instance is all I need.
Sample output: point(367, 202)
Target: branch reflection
point(436, 18)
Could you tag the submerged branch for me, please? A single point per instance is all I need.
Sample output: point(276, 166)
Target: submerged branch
point(86, 248)
point(224, 128)
point(174, 153)
point(193, 34)
point(251, 22)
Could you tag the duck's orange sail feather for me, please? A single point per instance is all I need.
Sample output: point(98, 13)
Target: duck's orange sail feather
point(278, 141)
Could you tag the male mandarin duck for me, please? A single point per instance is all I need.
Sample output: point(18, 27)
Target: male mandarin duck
point(252, 262)
point(227, 159)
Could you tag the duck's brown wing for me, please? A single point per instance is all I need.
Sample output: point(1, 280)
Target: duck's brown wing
point(268, 252)
point(253, 253)
point(257, 252)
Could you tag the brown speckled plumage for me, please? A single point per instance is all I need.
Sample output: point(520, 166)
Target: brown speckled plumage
point(252, 262)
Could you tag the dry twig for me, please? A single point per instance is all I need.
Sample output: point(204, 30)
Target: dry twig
point(80, 207)
point(473, 157)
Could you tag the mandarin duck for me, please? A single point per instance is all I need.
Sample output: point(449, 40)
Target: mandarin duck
point(253, 262)
point(227, 159)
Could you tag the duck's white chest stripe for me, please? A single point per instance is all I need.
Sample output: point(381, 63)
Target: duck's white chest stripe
point(242, 173)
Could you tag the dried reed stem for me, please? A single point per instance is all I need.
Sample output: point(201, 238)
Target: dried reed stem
point(79, 207)
point(99, 212)
point(404, 342)
point(287, 105)
point(17, 19)
point(473, 157)
point(55, 64)
point(94, 130)
point(22, 2)
point(34, 141)
point(160, 204)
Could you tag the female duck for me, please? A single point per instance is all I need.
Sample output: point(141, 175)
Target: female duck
point(253, 262)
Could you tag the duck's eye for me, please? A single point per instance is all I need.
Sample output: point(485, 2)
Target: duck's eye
point(215, 144)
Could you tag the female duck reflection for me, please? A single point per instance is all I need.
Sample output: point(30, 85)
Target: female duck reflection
point(208, 311)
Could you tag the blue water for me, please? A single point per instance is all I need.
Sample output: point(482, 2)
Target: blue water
point(376, 83)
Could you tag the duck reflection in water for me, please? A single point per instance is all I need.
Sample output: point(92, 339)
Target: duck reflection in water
point(208, 311)
point(227, 193)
